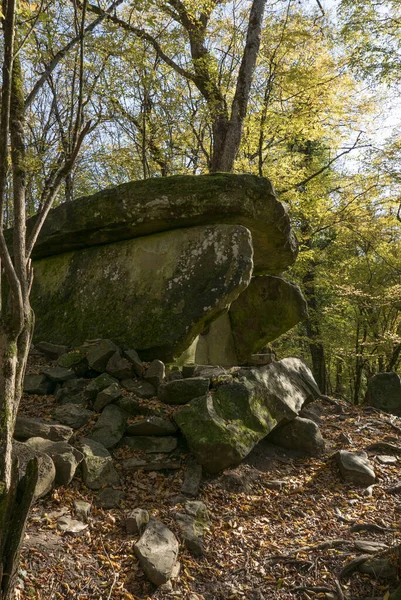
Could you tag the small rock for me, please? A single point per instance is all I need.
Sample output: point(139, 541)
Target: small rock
point(59, 374)
point(259, 360)
point(188, 370)
point(74, 360)
point(155, 373)
point(38, 384)
point(52, 351)
point(82, 509)
point(368, 492)
point(99, 384)
point(275, 484)
point(69, 525)
point(174, 375)
point(47, 470)
point(299, 434)
point(355, 467)
point(150, 445)
point(385, 459)
point(99, 353)
point(110, 426)
point(157, 552)
point(151, 426)
point(66, 458)
point(313, 412)
point(154, 463)
point(136, 362)
point(110, 394)
point(395, 489)
point(370, 546)
point(109, 498)
point(119, 367)
point(197, 509)
point(209, 371)
point(379, 568)
point(190, 533)
point(142, 389)
point(129, 405)
point(25, 428)
point(192, 478)
point(73, 415)
point(136, 521)
point(183, 391)
point(97, 465)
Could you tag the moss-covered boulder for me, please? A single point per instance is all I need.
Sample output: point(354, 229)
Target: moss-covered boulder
point(268, 307)
point(141, 208)
point(154, 293)
point(221, 429)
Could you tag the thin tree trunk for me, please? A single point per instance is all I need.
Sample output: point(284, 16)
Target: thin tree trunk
point(316, 347)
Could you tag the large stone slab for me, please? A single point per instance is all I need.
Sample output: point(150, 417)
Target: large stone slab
point(156, 293)
point(269, 307)
point(142, 208)
point(221, 429)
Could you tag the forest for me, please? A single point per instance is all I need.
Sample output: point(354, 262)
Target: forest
point(96, 93)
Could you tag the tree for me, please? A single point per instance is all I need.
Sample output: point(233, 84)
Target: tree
point(16, 315)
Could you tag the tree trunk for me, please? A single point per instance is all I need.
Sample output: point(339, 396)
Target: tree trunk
point(316, 347)
point(15, 498)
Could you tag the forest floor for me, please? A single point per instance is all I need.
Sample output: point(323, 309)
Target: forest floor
point(262, 543)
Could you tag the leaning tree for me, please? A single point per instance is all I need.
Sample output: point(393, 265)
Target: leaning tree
point(16, 315)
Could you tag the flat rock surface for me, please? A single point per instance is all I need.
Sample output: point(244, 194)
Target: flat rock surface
point(153, 298)
point(159, 204)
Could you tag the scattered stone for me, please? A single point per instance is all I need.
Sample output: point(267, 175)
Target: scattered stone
point(355, 467)
point(120, 367)
point(26, 427)
point(387, 460)
point(192, 478)
point(209, 372)
point(157, 552)
point(82, 510)
point(151, 426)
point(142, 389)
point(110, 426)
point(47, 470)
point(69, 525)
point(109, 498)
point(384, 392)
point(74, 360)
point(183, 391)
point(110, 394)
point(395, 489)
point(188, 370)
point(197, 509)
point(66, 458)
point(299, 434)
point(370, 546)
point(38, 384)
point(313, 412)
point(150, 445)
point(52, 351)
point(72, 415)
point(156, 462)
point(234, 483)
point(274, 484)
point(222, 428)
point(259, 360)
point(97, 465)
point(136, 521)
point(98, 354)
point(368, 492)
point(59, 374)
point(136, 362)
point(190, 533)
point(130, 405)
point(175, 374)
point(99, 384)
point(155, 373)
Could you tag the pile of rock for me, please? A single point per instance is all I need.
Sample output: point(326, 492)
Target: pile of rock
point(105, 399)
